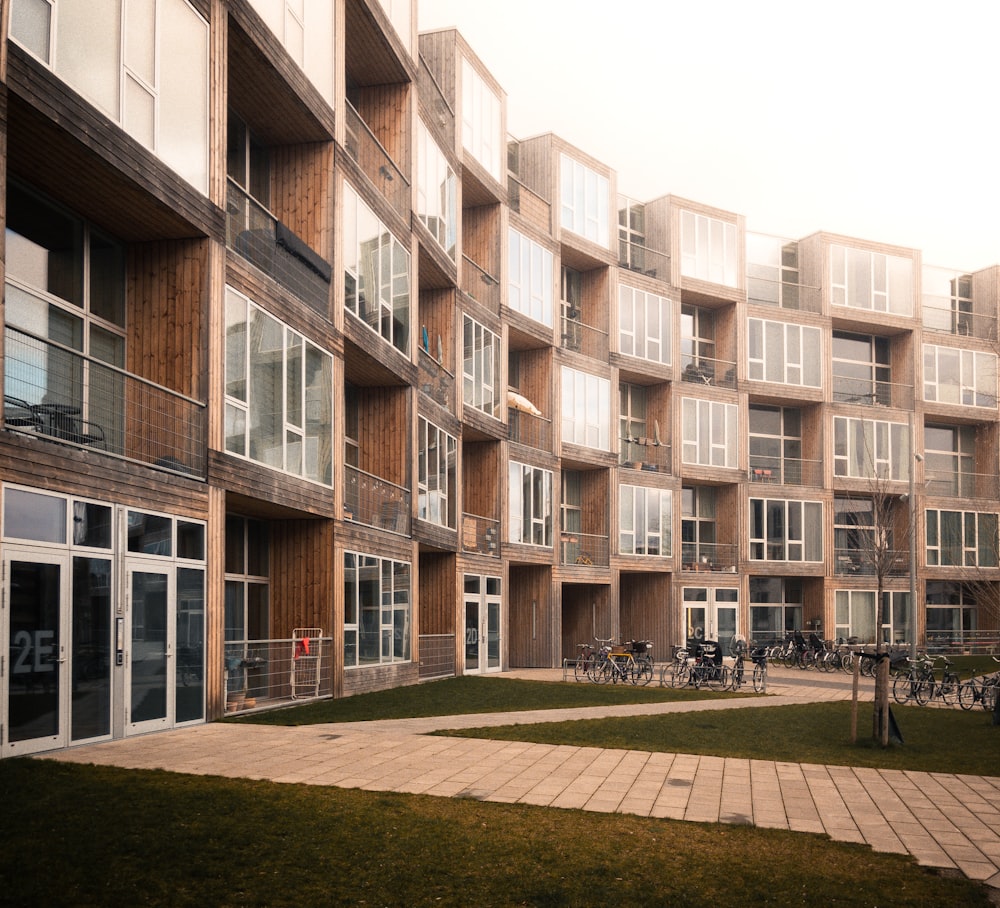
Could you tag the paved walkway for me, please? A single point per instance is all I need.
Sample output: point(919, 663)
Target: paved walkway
point(943, 820)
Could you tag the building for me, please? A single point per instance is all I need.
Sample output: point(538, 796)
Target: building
point(316, 382)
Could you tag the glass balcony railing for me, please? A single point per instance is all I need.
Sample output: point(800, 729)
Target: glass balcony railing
point(645, 454)
point(374, 160)
point(480, 535)
point(708, 556)
point(585, 339)
point(864, 562)
point(643, 260)
point(57, 393)
point(952, 484)
point(435, 380)
point(253, 232)
point(871, 393)
point(376, 502)
point(704, 370)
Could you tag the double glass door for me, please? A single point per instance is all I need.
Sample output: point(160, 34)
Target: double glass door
point(711, 614)
point(482, 624)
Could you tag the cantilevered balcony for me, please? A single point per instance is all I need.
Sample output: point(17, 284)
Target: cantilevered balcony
point(645, 454)
point(704, 370)
point(583, 338)
point(480, 285)
point(253, 232)
point(376, 502)
point(480, 535)
point(868, 392)
point(375, 162)
point(584, 550)
point(792, 471)
point(708, 556)
point(643, 260)
point(529, 429)
point(954, 484)
point(58, 394)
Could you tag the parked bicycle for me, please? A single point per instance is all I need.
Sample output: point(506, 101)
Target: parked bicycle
point(983, 689)
point(677, 672)
point(920, 683)
point(708, 669)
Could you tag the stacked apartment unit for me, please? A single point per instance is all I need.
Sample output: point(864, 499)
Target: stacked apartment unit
point(316, 382)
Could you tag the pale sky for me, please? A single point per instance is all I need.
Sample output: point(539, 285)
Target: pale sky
point(877, 119)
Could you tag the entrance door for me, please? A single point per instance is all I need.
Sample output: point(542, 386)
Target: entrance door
point(711, 614)
point(482, 625)
point(149, 677)
point(33, 633)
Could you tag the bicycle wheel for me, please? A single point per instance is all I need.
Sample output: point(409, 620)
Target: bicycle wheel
point(759, 677)
point(680, 675)
point(902, 688)
point(600, 671)
point(718, 678)
point(923, 691)
point(948, 690)
point(736, 678)
point(968, 694)
point(643, 672)
point(988, 696)
point(581, 668)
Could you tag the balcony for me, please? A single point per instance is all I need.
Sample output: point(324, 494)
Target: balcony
point(708, 556)
point(376, 502)
point(957, 321)
point(529, 429)
point(529, 204)
point(783, 294)
point(703, 370)
point(480, 535)
point(435, 380)
point(645, 454)
point(59, 394)
point(584, 550)
point(436, 106)
point(864, 562)
point(375, 162)
point(785, 471)
point(643, 260)
point(581, 338)
point(253, 232)
point(951, 484)
point(872, 393)
point(270, 673)
point(480, 285)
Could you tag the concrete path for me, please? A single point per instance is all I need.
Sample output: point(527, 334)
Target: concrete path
point(943, 820)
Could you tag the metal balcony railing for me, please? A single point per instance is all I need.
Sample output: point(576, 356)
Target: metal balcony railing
point(948, 320)
point(270, 673)
point(253, 232)
point(708, 556)
point(704, 370)
point(374, 160)
point(785, 471)
point(583, 549)
point(529, 204)
point(862, 562)
point(376, 502)
point(530, 430)
point(871, 393)
point(435, 380)
point(480, 535)
point(57, 393)
point(643, 260)
point(783, 294)
point(581, 338)
point(963, 642)
point(645, 454)
point(480, 285)
point(951, 484)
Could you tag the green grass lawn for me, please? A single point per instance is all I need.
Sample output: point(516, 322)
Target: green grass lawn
point(86, 836)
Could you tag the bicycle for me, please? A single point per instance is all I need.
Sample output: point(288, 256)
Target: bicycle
point(708, 670)
point(737, 674)
point(983, 689)
point(585, 659)
point(677, 672)
point(759, 657)
point(622, 665)
point(913, 683)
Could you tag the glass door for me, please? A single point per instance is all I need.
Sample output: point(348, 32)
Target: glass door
point(711, 614)
point(482, 624)
point(149, 683)
point(35, 679)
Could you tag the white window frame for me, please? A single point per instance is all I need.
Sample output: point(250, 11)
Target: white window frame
point(435, 474)
point(645, 324)
point(530, 275)
point(530, 521)
point(585, 197)
point(886, 448)
point(972, 542)
point(645, 517)
point(784, 353)
point(437, 192)
point(709, 249)
point(710, 432)
point(799, 546)
point(884, 272)
point(977, 377)
point(586, 409)
point(481, 364)
point(482, 132)
point(394, 606)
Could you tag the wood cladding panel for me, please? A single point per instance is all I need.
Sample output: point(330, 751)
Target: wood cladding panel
point(587, 613)
point(267, 491)
point(383, 437)
point(301, 581)
point(481, 238)
point(386, 111)
point(645, 613)
point(531, 599)
point(439, 586)
point(302, 193)
point(481, 478)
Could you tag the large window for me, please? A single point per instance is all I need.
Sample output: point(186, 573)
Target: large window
point(952, 610)
point(709, 432)
point(950, 456)
point(869, 448)
point(698, 526)
point(947, 300)
point(776, 445)
point(775, 607)
point(435, 474)
point(376, 273)
point(65, 284)
point(871, 280)
point(786, 530)
point(305, 30)
point(645, 517)
point(279, 393)
point(861, 369)
point(772, 271)
point(481, 368)
point(482, 133)
point(586, 409)
point(856, 619)
point(954, 376)
point(530, 517)
point(145, 66)
point(529, 289)
point(437, 192)
point(586, 201)
point(377, 613)
point(784, 353)
point(961, 538)
point(709, 249)
point(644, 321)
point(247, 610)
